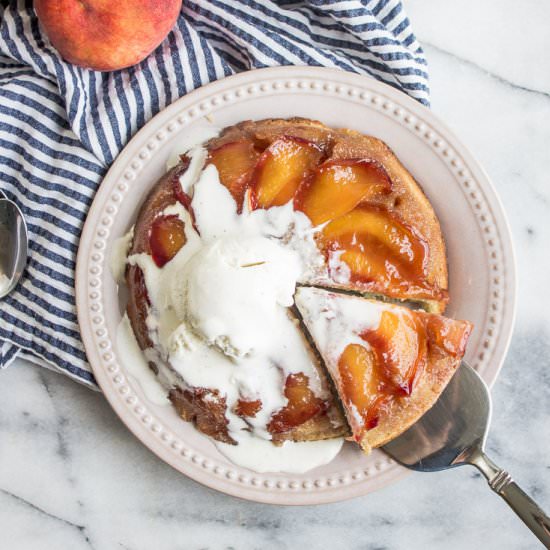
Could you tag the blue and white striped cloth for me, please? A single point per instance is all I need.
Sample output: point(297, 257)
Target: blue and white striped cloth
point(61, 126)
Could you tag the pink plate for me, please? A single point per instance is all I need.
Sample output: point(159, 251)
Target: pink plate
point(481, 259)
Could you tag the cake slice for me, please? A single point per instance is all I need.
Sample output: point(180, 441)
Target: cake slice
point(389, 364)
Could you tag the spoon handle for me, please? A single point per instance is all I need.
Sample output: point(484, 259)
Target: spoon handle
point(524, 506)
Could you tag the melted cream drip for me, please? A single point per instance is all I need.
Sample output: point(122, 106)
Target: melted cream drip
point(135, 363)
point(219, 313)
point(291, 457)
point(336, 320)
point(339, 270)
point(119, 253)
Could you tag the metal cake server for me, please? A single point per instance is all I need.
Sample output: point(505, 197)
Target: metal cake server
point(13, 245)
point(453, 433)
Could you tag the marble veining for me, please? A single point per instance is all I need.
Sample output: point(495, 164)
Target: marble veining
point(72, 476)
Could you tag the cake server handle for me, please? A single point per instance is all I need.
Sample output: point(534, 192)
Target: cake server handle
point(522, 504)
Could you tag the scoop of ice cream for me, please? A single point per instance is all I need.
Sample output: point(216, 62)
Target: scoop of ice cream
point(227, 290)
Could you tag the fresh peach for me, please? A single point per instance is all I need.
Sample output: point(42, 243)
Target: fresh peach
point(105, 35)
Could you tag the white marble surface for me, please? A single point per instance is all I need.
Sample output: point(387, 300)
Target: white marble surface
point(72, 476)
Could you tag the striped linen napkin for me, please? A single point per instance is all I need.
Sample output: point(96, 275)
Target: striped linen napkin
point(61, 126)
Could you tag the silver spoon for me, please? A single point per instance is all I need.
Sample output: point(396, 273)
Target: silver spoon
point(453, 433)
point(13, 245)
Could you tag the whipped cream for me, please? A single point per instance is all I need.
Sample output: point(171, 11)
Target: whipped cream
point(219, 314)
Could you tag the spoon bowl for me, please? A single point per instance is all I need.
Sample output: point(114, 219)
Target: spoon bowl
point(13, 245)
point(452, 433)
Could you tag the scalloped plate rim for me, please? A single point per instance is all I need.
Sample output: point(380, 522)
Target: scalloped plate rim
point(257, 78)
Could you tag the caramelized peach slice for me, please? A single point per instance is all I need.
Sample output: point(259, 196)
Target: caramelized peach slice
point(364, 267)
point(362, 384)
point(357, 373)
point(399, 348)
point(235, 162)
point(248, 408)
point(283, 166)
point(372, 379)
point(448, 335)
point(378, 225)
point(338, 186)
point(166, 238)
point(302, 405)
point(377, 247)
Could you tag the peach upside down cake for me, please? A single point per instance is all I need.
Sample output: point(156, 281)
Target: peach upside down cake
point(286, 282)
